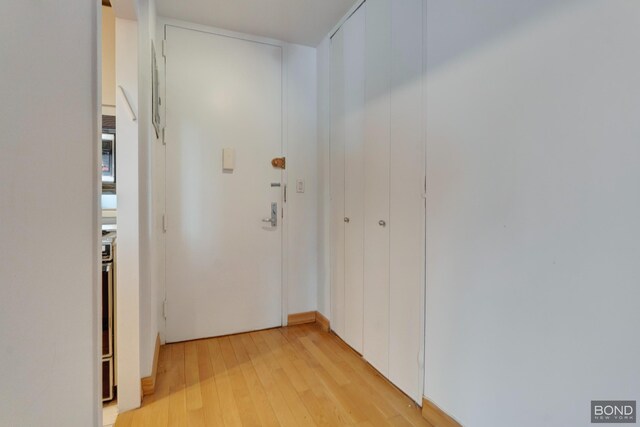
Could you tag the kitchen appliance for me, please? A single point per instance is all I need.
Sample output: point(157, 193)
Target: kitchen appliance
point(108, 162)
point(108, 314)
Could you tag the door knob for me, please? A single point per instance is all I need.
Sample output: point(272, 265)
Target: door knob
point(346, 219)
point(381, 223)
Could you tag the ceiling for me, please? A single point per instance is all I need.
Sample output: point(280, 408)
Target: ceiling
point(303, 22)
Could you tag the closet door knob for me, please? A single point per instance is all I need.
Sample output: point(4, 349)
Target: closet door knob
point(346, 219)
point(381, 223)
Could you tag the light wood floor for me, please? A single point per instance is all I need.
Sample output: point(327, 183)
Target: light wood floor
point(295, 376)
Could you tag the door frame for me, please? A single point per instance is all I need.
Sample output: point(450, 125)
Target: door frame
point(162, 25)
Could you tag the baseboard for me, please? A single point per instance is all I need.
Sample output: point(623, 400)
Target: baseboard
point(149, 383)
point(322, 321)
point(308, 317)
point(436, 416)
point(301, 318)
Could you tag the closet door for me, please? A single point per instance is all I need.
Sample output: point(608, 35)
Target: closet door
point(354, 78)
point(337, 184)
point(407, 203)
point(376, 217)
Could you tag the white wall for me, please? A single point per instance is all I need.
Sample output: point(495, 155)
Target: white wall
point(140, 239)
point(49, 214)
point(324, 176)
point(151, 236)
point(108, 60)
point(302, 245)
point(459, 27)
point(532, 223)
point(128, 241)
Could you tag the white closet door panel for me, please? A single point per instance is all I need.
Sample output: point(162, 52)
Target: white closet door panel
point(376, 236)
point(354, 78)
point(337, 184)
point(407, 203)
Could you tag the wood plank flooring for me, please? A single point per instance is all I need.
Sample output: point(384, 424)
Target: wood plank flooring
point(294, 376)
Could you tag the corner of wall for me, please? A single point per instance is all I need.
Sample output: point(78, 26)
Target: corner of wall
point(323, 132)
point(301, 136)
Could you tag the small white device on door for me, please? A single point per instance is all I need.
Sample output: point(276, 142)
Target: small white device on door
point(228, 159)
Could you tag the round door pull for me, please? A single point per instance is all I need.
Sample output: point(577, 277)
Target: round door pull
point(346, 219)
point(381, 223)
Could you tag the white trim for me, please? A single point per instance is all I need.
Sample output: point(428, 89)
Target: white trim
point(330, 240)
point(423, 297)
point(161, 35)
point(96, 242)
point(346, 16)
point(163, 22)
point(284, 307)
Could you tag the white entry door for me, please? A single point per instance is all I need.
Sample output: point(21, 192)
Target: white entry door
point(223, 253)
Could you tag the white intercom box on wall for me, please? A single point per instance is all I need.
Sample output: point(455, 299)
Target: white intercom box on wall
point(228, 159)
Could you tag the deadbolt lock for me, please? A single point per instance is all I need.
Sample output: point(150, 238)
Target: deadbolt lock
point(279, 163)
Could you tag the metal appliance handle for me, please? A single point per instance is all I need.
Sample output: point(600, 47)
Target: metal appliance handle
point(109, 270)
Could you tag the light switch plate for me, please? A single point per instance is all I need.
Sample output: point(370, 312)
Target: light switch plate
point(300, 186)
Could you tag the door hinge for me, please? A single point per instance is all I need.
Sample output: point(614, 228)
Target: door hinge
point(164, 309)
point(285, 193)
point(164, 139)
point(164, 48)
point(164, 223)
point(424, 194)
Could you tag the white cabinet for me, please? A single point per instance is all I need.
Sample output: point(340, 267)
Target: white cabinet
point(354, 101)
point(347, 193)
point(377, 179)
point(377, 172)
